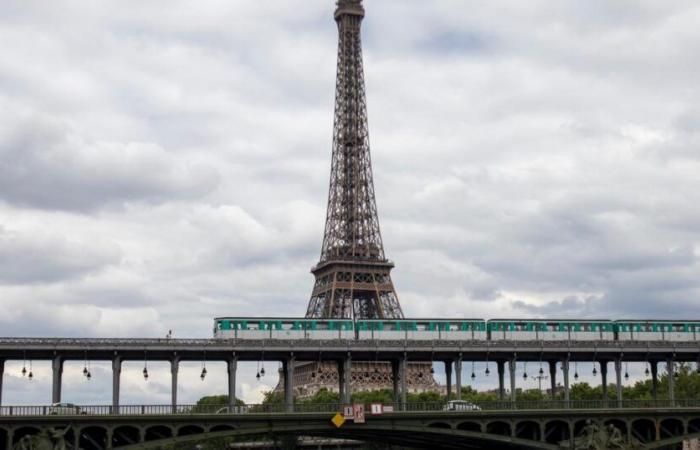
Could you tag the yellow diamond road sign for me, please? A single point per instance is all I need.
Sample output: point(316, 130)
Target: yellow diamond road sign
point(338, 420)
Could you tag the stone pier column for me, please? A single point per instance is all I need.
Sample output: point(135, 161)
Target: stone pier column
point(501, 379)
point(288, 368)
point(57, 378)
point(458, 378)
point(654, 380)
point(553, 379)
point(448, 378)
point(232, 367)
point(116, 381)
point(618, 381)
point(174, 369)
point(511, 369)
point(671, 381)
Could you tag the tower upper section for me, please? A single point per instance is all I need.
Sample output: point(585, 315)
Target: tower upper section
point(352, 226)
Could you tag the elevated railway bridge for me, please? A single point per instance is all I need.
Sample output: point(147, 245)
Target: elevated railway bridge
point(506, 424)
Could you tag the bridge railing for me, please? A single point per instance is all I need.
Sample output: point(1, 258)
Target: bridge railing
point(331, 408)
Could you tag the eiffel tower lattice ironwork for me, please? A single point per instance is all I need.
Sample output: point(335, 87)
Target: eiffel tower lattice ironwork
point(353, 275)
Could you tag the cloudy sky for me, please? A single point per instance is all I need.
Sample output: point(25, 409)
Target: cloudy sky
point(166, 162)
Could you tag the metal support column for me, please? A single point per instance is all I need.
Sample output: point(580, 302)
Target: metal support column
point(10, 439)
point(116, 381)
point(654, 379)
point(57, 369)
point(670, 369)
point(2, 374)
point(458, 377)
point(448, 378)
point(604, 379)
point(511, 369)
point(501, 379)
point(403, 374)
point(288, 367)
point(553, 379)
point(174, 368)
point(618, 380)
point(395, 380)
point(565, 375)
point(347, 375)
point(232, 367)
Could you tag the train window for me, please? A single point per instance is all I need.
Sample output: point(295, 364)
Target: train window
point(562, 327)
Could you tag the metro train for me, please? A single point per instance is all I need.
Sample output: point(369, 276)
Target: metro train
point(457, 329)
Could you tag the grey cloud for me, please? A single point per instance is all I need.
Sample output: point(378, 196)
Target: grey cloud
point(40, 257)
point(44, 166)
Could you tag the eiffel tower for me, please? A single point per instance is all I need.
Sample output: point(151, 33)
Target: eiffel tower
point(353, 274)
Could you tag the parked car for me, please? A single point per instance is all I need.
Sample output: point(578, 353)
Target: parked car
point(242, 409)
point(65, 409)
point(460, 405)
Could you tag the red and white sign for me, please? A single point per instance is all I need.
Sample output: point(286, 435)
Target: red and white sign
point(348, 412)
point(359, 413)
point(376, 409)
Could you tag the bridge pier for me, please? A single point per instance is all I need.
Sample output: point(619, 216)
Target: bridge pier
point(553, 378)
point(501, 366)
point(232, 366)
point(395, 380)
point(2, 374)
point(654, 380)
point(458, 377)
point(448, 378)
point(402, 375)
point(511, 369)
point(288, 368)
point(116, 381)
point(604, 379)
point(10, 438)
point(618, 380)
point(671, 381)
point(567, 391)
point(174, 369)
point(57, 376)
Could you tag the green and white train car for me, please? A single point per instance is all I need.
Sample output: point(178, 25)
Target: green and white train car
point(282, 328)
point(422, 329)
point(550, 330)
point(657, 330)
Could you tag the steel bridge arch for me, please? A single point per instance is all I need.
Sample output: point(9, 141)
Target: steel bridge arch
point(425, 436)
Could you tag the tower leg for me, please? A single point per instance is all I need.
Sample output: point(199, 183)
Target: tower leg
point(347, 372)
